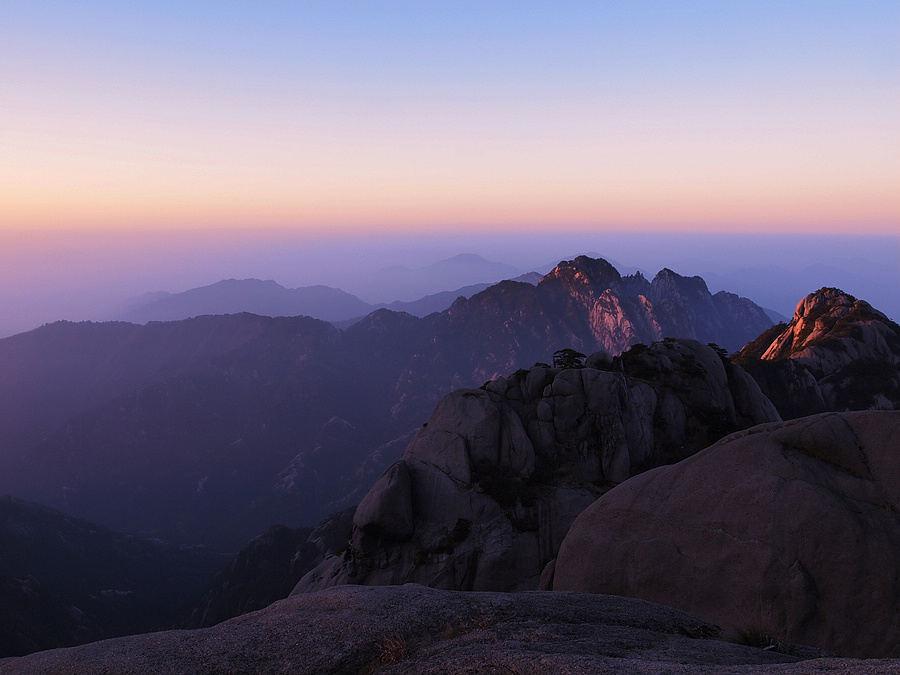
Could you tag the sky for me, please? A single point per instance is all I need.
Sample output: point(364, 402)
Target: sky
point(148, 135)
point(402, 115)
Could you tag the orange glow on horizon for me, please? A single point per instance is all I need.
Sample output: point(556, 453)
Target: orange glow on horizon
point(398, 213)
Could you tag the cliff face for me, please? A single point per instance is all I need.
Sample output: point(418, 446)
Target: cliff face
point(837, 353)
point(487, 489)
point(584, 304)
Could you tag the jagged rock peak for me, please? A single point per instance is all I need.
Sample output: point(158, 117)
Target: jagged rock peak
point(666, 282)
point(828, 314)
point(824, 298)
point(835, 302)
point(837, 353)
point(584, 270)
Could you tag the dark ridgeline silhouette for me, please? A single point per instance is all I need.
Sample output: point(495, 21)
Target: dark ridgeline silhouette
point(65, 581)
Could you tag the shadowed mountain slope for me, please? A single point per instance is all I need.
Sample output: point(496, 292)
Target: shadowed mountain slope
point(268, 568)
point(65, 581)
point(63, 369)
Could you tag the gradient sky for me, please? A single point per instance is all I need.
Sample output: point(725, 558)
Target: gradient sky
point(430, 116)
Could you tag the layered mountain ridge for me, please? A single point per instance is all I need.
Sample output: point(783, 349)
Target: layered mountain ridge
point(487, 489)
point(210, 429)
point(467, 274)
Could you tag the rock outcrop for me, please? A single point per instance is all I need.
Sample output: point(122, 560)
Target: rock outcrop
point(837, 353)
point(788, 528)
point(415, 630)
point(487, 489)
point(268, 569)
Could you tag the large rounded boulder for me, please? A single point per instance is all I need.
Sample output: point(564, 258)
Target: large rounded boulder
point(789, 529)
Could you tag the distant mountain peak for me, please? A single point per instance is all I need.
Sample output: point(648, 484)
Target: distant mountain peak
point(584, 270)
point(466, 258)
point(668, 279)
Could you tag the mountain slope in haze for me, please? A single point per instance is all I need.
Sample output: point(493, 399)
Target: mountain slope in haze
point(837, 353)
point(260, 420)
point(64, 369)
point(438, 302)
point(406, 284)
point(267, 298)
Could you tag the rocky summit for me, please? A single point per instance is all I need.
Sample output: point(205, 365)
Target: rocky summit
point(486, 490)
point(837, 353)
point(787, 529)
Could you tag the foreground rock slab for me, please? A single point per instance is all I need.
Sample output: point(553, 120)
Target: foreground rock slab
point(413, 629)
point(791, 528)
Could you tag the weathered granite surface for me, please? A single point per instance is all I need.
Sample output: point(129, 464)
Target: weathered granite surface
point(413, 629)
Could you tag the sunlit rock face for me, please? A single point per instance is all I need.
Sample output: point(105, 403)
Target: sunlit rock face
point(837, 353)
point(787, 528)
point(622, 311)
point(830, 329)
point(489, 486)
